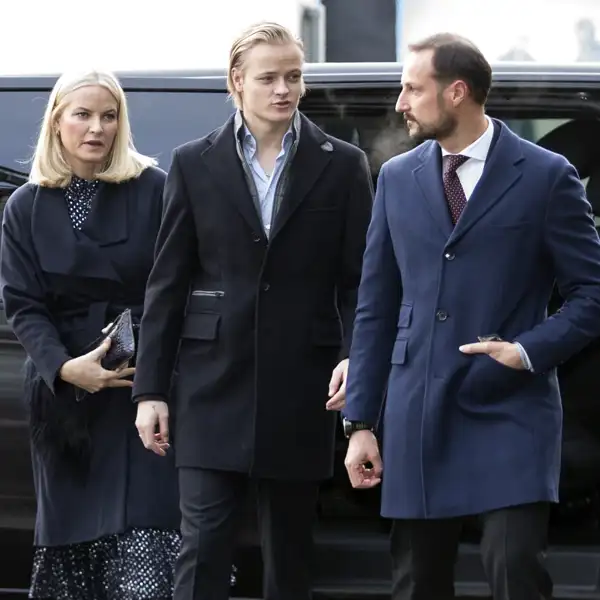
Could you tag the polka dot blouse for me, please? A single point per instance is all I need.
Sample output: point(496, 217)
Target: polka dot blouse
point(79, 195)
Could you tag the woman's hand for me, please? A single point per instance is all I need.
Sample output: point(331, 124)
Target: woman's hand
point(87, 373)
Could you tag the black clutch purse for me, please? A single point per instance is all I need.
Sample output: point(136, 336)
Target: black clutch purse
point(121, 350)
point(122, 347)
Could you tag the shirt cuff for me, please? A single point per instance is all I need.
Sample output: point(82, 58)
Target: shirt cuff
point(524, 358)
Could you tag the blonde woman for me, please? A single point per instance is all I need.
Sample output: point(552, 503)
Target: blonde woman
point(77, 247)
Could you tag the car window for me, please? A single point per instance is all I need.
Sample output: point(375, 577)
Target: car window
point(367, 118)
point(160, 121)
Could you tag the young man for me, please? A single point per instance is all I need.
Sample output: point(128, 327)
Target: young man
point(254, 292)
point(470, 231)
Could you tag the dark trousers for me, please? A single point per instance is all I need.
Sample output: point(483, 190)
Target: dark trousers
point(513, 542)
point(211, 503)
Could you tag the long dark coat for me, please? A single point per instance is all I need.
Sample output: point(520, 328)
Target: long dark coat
point(463, 434)
point(60, 287)
point(259, 324)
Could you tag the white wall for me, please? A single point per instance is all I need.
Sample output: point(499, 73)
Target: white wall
point(494, 25)
point(56, 35)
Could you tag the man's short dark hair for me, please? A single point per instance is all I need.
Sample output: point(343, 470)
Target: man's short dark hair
point(455, 57)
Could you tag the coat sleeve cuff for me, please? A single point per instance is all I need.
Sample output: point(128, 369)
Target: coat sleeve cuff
point(50, 372)
point(145, 396)
point(524, 357)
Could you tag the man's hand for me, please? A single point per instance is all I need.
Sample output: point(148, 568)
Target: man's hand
point(150, 414)
point(363, 449)
point(505, 353)
point(337, 387)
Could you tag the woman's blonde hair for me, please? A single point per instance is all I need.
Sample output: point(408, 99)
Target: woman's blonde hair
point(49, 167)
point(261, 33)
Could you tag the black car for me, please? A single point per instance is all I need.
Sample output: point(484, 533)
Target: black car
point(558, 108)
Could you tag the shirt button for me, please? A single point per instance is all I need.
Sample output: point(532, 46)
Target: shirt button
point(441, 315)
point(449, 256)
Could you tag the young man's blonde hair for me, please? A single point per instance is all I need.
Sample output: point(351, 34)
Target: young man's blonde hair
point(261, 33)
point(49, 167)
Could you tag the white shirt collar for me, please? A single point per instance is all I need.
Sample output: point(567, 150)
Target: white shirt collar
point(480, 147)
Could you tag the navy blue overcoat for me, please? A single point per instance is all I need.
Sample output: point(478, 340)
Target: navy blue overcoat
point(464, 434)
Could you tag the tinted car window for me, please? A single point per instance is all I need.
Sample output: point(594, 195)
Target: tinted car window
point(20, 117)
point(367, 118)
point(160, 121)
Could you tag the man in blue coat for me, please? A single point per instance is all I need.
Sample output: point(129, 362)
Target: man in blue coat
point(470, 230)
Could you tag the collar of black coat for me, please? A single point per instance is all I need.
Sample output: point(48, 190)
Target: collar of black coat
point(239, 125)
point(313, 154)
point(62, 249)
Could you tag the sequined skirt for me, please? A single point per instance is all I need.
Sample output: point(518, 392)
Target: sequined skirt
point(136, 565)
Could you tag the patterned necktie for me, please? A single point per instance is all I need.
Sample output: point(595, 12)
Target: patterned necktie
point(455, 195)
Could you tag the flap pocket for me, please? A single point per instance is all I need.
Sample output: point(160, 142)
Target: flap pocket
point(201, 326)
point(405, 315)
point(399, 352)
point(327, 333)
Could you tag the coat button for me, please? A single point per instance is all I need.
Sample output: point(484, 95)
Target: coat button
point(449, 256)
point(256, 238)
point(441, 315)
point(266, 287)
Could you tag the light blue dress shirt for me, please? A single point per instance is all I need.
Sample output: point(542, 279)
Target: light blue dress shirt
point(266, 185)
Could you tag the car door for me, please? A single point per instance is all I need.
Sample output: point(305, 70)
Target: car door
point(17, 504)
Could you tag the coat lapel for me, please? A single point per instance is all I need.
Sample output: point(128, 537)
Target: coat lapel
point(500, 174)
point(107, 223)
point(222, 160)
point(312, 156)
point(428, 176)
point(64, 251)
